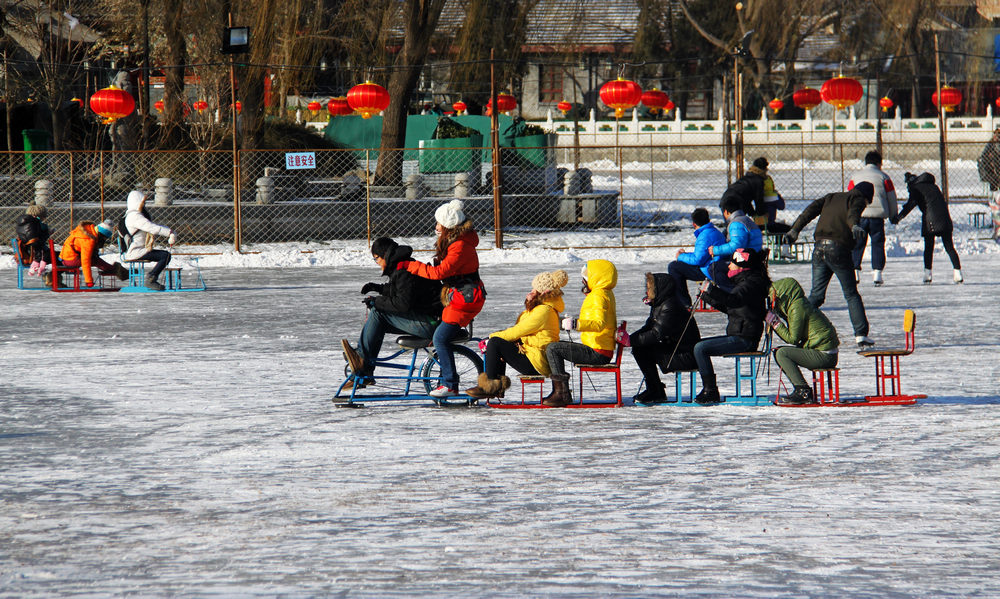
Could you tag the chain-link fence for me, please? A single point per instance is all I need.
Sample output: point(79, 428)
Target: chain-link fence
point(614, 195)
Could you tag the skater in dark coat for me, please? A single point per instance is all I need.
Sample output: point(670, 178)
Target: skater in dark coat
point(935, 222)
point(837, 232)
point(667, 339)
point(746, 306)
point(749, 189)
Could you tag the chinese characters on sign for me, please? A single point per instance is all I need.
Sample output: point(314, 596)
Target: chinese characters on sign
point(294, 160)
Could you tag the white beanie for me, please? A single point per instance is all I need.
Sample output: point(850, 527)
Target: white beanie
point(545, 282)
point(450, 215)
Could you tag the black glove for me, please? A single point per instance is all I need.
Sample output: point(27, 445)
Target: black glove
point(371, 287)
point(907, 177)
point(369, 301)
point(790, 238)
point(858, 232)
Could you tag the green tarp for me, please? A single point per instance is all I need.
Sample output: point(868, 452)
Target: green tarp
point(356, 132)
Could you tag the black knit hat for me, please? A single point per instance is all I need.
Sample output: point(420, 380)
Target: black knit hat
point(383, 246)
point(761, 163)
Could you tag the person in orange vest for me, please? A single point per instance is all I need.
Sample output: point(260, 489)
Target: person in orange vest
point(82, 249)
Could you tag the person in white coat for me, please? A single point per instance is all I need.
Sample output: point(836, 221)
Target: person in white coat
point(141, 235)
point(883, 207)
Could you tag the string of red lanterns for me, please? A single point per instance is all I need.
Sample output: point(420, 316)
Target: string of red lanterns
point(339, 107)
point(950, 98)
point(368, 99)
point(314, 107)
point(654, 99)
point(112, 103)
point(841, 92)
point(621, 95)
point(807, 98)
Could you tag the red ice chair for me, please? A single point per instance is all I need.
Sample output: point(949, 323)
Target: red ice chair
point(888, 378)
point(612, 368)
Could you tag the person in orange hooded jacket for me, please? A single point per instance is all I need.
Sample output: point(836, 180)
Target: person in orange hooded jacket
point(82, 249)
point(456, 264)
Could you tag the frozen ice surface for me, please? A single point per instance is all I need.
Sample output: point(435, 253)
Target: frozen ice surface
point(186, 445)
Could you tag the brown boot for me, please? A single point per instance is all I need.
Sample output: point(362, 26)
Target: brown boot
point(121, 272)
point(561, 396)
point(488, 388)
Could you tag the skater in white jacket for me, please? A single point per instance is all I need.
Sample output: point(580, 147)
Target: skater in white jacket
point(141, 234)
point(882, 207)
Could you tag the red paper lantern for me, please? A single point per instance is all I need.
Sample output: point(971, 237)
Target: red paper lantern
point(112, 103)
point(669, 106)
point(200, 105)
point(459, 107)
point(314, 107)
point(368, 98)
point(841, 92)
point(950, 98)
point(776, 105)
point(997, 102)
point(564, 107)
point(239, 107)
point(158, 105)
point(654, 99)
point(807, 98)
point(339, 107)
point(886, 103)
point(78, 101)
point(505, 101)
point(621, 95)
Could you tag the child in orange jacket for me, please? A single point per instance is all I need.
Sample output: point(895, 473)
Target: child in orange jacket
point(82, 249)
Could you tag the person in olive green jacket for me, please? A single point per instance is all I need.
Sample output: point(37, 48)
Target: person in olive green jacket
point(812, 335)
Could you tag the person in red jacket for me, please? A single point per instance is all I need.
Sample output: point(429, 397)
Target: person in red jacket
point(456, 264)
point(82, 248)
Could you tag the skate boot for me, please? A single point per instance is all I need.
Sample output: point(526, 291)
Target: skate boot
point(877, 278)
point(958, 276)
point(927, 276)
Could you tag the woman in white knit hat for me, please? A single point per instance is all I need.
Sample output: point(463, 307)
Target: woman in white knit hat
point(522, 346)
point(456, 264)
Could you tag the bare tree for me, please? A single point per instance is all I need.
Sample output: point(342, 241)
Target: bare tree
point(420, 18)
point(779, 29)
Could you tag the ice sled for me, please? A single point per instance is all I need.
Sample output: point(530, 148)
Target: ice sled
point(418, 372)
point(171, 276)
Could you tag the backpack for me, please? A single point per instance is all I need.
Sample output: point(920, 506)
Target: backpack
point(122, 231)
point(28, 228)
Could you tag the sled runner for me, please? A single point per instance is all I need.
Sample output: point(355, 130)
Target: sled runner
point(418, 373)
point(613, 368)
point(171, 275)
point(888, 377)
point(103, 282)
point(22, 269)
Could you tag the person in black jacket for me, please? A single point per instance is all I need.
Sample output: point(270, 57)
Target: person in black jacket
point(746, 307)
point(666, 340)
point(33, 235)
point(749, 189)
point(406, 304)
point(836, 234)
point(936, 220)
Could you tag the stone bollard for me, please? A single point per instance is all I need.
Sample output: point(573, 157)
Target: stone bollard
point(265, 190)
point(351, 189)
point(572, 183)
point(461, 185)
point(43, 192)
point(164, 189)
point(414, 187)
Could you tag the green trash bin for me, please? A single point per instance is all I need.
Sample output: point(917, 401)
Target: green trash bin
point(38, 140)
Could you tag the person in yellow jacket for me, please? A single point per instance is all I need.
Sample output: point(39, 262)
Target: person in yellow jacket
point(522, 346)
point(597, 323)
point(82, 249)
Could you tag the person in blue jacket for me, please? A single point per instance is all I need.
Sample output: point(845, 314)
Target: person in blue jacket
point(693, 266)
point(742, 233)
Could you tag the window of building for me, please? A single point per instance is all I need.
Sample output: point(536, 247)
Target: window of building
point(550, 83)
